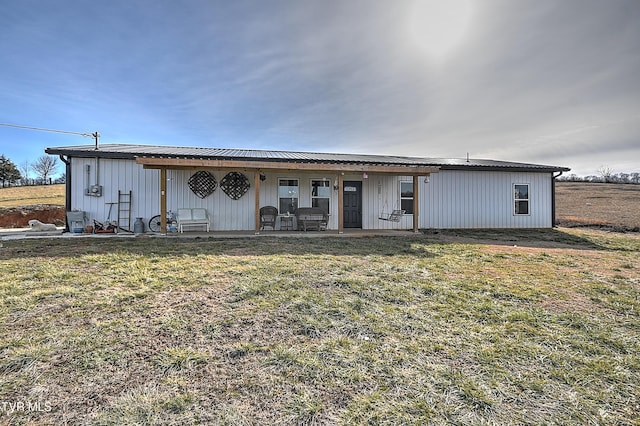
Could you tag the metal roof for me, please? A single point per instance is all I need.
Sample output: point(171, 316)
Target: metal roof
point(129, 151)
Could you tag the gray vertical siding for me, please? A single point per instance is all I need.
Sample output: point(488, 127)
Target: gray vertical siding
point(381, 194)
point(123, 175)
point(474, 199)
point(226, 214)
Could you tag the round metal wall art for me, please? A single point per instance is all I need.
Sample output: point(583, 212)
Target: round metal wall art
point(235, 185)
point(202, 183)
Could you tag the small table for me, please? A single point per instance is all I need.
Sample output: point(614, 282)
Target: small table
point(286, 223)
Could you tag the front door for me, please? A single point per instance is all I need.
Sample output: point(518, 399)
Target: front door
point(352, 200)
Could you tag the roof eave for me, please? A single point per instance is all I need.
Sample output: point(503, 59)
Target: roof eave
point(259, 164)
point(83, 153)
point(537, 169)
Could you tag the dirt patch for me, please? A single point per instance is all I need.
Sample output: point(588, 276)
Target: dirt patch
point(19, 217)
point(598, 205)
point(572, 302)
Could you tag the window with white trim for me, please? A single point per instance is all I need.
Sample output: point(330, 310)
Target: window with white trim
point(406, 197)
point(288, 194)
point(521, 199)
point(321, 194)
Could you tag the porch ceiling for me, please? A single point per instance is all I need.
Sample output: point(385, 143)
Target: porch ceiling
point(196, 163)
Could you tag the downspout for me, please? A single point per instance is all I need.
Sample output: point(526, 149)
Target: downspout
point(67, 188)
point(97, 171)
point(553, 198)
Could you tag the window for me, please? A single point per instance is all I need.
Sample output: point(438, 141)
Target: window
point(288, 196)
point(321, 194)
point(406, 197)
point(521, 199)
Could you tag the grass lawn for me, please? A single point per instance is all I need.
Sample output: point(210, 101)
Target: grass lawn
point(17, 196)
point(527, 327)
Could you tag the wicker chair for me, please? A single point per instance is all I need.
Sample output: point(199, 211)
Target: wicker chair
point(268, 216)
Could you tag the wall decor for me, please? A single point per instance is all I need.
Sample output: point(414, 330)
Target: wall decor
point(235, 185)
point(202, 183)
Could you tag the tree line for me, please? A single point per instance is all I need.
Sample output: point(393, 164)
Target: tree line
point(605, 175)
point(39, 172)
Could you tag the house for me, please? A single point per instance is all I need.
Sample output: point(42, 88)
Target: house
point(357, 191)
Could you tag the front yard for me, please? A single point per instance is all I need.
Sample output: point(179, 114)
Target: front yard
point(529, 327)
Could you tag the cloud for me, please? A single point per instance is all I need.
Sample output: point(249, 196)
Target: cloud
point(528, 81)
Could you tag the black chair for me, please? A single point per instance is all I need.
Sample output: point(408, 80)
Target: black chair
point(268, 216)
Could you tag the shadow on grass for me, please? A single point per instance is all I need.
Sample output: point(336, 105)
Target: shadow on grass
point(175, 247)
point(410, 246)
point(538, 238)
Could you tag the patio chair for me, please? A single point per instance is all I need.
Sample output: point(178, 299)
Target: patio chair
point(268, 216)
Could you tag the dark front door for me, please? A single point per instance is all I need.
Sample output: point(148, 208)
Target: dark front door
point(352, 209)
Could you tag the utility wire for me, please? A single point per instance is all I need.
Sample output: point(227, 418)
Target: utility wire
point(48, 130)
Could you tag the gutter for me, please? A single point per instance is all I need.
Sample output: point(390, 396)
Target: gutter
point(67, 188)
point(553, 197)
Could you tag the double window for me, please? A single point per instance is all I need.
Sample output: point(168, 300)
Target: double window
point(321, 194)
point(406, 197)
point(288, 195)
point(521, 199)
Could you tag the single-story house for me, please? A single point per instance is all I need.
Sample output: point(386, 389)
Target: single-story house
point(355, 191)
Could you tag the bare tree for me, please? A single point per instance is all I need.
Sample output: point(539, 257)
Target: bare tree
point(606, 173)
point(25, 170)
point(45, 166)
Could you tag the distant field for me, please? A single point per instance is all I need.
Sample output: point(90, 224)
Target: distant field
point(598, 204)
point(18, 196)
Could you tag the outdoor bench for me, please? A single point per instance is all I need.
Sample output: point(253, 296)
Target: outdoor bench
point(193, 217)
point(311, 218)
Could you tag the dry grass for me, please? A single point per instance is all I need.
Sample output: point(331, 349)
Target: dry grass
point(19, 196)
point(598, 204)
point(533, 327)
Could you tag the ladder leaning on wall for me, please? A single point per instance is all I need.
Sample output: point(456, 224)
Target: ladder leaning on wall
point(124, 211)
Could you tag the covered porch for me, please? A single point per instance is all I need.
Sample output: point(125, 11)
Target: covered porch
point(256, 170)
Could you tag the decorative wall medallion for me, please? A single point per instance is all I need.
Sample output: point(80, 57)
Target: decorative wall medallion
point(203, 183)
point(235, 185)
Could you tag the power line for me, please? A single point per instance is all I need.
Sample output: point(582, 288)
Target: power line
point(50, 130)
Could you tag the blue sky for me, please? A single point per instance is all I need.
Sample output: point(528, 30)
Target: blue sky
point(551, 82)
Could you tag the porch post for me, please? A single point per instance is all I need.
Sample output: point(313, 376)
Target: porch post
point(340, 204)
point(163, 200)
point(416, 203)
point(256, 185)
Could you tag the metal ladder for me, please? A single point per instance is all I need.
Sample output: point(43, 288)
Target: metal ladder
point(124, 211)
